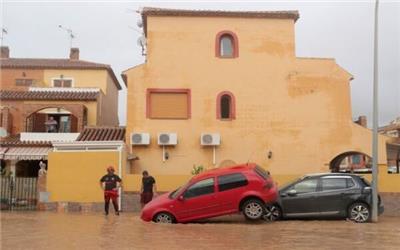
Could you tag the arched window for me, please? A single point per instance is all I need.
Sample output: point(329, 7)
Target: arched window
point(225, 106)
point(226, 45)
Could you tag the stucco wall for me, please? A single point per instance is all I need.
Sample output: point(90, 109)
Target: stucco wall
point(297, 108)
point(8, 77)
point(108, 111)
point(74, 176)
point(85, 78)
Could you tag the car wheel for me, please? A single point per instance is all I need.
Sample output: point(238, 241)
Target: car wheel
point(164, 217)
point(253, 209)
point(359, 212)
point(272, 213)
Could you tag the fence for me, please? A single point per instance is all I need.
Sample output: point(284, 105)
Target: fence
point(18, 193)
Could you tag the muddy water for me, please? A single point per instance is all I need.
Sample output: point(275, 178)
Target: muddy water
point(45, 230)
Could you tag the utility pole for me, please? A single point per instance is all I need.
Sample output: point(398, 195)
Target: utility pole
point(375, 123)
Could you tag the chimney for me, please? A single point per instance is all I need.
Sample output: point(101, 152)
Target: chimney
point(74, 54)
point(362, 120)
point(5, 52)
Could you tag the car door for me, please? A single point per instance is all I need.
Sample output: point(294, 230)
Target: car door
point(298, 200)
point(230, 190)
point(197, 201)
point(336, 194)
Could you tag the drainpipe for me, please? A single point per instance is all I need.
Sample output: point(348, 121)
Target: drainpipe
point(120, 175)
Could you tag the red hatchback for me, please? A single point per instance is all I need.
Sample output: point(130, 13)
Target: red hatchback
point(244, 188)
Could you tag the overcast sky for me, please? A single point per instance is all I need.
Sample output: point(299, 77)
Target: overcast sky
point(106, 32)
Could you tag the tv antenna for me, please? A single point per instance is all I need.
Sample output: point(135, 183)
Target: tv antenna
point(70, 34)
point(3, 33)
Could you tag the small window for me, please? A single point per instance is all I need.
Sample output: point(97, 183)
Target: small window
point(231, 181)
point(305, 186)
point(62, 83)
point(202, 187)
point(356, 159)
point(226, 103)
point(350, 182)
point(225, 106)
point(333, 183)
point(24, 82)
point(226, 45)
point(168, 103)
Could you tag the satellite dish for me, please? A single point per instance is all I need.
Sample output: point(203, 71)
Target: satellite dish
point(139, 23)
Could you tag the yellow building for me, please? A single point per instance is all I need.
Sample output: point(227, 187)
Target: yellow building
point(232, 82)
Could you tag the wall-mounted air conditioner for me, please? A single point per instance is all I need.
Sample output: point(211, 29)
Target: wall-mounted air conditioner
point(167, 139)
point(140, 138)
point(210, 139)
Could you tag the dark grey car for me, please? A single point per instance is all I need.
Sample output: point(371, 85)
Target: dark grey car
point(325, 195)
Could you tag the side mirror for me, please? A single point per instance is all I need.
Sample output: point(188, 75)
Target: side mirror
point(292, 192)
point(180, 198)
point(367, 190)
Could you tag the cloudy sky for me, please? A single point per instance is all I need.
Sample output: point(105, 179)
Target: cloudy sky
point(106, 32)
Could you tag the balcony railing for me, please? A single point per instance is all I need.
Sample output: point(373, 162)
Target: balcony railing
point(52, 137)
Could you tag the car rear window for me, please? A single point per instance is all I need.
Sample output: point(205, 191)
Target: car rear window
point(231, 181)
point(261, 172)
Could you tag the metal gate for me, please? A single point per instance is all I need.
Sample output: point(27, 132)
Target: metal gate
point(18, 193)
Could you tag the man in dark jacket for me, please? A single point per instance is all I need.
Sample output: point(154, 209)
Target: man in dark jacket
point(148, 189)
point(110, 184)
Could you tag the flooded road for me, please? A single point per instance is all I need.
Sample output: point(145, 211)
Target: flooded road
point(46, 230)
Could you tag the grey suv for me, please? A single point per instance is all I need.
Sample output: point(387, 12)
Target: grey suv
point(325, 195)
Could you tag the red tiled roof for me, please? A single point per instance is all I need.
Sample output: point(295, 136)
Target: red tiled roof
point(102, 134)
point(15, 140)
point(149, 11)
point(50, 63)
point(48, 95)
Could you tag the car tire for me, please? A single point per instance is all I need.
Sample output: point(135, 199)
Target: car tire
point(359, 212)
point(164, 217)
point(272, 213)
point(253, 209)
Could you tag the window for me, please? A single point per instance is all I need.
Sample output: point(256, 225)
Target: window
point(356, 159)
point(231, 181)
point(226, 45)
point(202, 187)
point(334, 183)
point(168, 104)
point(225, 106)
point(306, 186)
point(261, 172)
point(24, 82)
point(62, 83)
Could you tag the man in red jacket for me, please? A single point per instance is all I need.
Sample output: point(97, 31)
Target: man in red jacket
point(110, 184)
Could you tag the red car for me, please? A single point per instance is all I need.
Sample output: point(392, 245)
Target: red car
point(244, 188)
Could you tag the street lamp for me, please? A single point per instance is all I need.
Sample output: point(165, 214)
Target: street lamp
point(375, 123)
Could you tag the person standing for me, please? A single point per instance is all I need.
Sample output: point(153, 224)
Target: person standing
point(148, 189)
point(110, 184)
point(51, 125)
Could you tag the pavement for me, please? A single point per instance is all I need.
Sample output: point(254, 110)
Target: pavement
point(51, 230)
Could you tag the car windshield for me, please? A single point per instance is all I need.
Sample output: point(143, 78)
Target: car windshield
point(177, 191)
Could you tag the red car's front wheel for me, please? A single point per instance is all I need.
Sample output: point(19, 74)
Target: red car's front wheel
point(164, 217)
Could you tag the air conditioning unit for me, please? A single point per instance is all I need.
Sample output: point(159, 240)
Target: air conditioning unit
point(167, 139)
point(210, 139)
point(140, 139)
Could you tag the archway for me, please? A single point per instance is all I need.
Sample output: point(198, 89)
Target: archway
point(351, 161)
point(64, 121)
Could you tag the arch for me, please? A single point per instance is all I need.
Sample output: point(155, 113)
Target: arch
point(220, 37)
point(226, 100)
point(77, 111)
point(350, 161)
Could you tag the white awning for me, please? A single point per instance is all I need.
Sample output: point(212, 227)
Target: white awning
point(27, 153)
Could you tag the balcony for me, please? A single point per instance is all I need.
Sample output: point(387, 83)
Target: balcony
point(48, 137)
